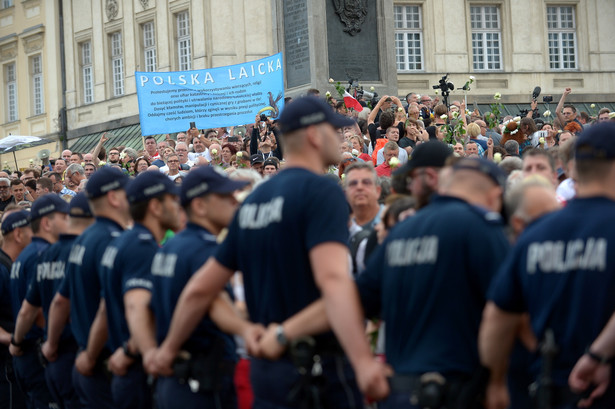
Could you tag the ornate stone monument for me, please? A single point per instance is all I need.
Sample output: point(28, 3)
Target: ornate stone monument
point(340, 39)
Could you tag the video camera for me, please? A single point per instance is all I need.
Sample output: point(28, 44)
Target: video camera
point(359, 93)
point(444, 85)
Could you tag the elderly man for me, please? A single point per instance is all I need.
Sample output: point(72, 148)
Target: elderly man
point(181, 149)
point(390, 151)
point(66, 155)
point(75, 173)
point(6, 197)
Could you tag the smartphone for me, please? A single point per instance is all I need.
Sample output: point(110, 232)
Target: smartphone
point(192, 125)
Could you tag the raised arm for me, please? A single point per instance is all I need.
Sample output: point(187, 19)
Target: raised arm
point(560, 106)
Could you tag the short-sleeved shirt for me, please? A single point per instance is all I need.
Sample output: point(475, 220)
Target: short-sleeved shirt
point(272, 234)
point(82, 283)
point(6, 311)
point(126, 266)
point(50, 272)
point(23, 272)
point(428, 282)
point(562, 271)
point(172, 268)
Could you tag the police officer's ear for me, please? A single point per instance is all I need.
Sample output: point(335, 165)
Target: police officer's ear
point(517, 224)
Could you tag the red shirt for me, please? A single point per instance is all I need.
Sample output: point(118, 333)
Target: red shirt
point(384, 170)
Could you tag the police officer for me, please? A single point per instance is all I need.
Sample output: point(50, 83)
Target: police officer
point(561, 272)
point(126, 286)
point(16, 235)
point(428, 282)
point(49, 217)
point(79, 293)
point(49, 275)
point(307, 214)
point(207, 197)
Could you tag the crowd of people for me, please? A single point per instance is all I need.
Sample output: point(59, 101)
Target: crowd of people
point(413, 255)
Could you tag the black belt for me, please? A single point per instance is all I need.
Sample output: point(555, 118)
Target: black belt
point(431, 389)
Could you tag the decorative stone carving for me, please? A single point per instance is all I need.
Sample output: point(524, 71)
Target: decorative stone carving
point(352, 13)
point(112, 8)
point(33, 43)
point(8, 51)
point(144, 3)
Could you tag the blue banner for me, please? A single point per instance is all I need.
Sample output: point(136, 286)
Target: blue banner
point(212, 98)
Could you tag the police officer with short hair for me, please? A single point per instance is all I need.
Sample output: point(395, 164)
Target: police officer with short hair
point(562, 272)
point(48, 218)
point(16, 235)
point(49, 274)
point(305, 213)
point(428, 282)
point(126, 287)
point(207, 197)
point(80, 291)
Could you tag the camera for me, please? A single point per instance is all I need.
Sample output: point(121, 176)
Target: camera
point(263, 117)
point(444, 85)
point(547, 98)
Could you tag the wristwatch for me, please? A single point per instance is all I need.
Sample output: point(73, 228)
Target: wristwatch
point(15, 343)
point(599, 358)
point(280, 337)
point(127, 351)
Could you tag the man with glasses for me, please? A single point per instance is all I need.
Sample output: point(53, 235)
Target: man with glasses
point(362, 192)
point(114, 156)
point(6, 198)
point(182, 151)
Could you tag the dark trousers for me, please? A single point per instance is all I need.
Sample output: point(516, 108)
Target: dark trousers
point(94, 391)
point(273, 381)
point(59, 382)
point(170, 393)
point(131, 391)
point(11, 396)
point(31, 379)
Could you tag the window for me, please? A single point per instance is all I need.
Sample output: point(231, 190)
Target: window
point(149, 47)
point(86, 72)
point(486, 38)
point(408, 38)
point(7, 3)
point(117, 64)
point(184, 49)
point(562, 37)
point(36, 66)
point(10, 75)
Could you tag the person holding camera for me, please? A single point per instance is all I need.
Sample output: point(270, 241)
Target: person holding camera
point(264, 140)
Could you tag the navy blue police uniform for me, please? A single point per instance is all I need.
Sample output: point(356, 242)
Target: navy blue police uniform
point(299, 210)
point(172, 268)
point(562, 272)
point(28, 369)
point(82, 285)
point(11, 395)
point(428, 281)
point(126, 265)
point(49, 275)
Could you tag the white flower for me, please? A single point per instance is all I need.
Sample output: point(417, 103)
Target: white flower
point(400, 109)
point(214, 152)
point(327, 94)
point(592, 106)
point(239, 154)
point(547, 113)
point(514, 132)
point(541, 140)
point(331, 81)
point(611, 115)
point(455, 115)
point(122, 155)
point(497, 96)
point(443, 116)
point(517, 119)
point(472, 78)
point(372, 89)
point(436, 92)
point(343, 176)
point(394, 162)
point(31, 160)
point(497, 157)
point(355, 152)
